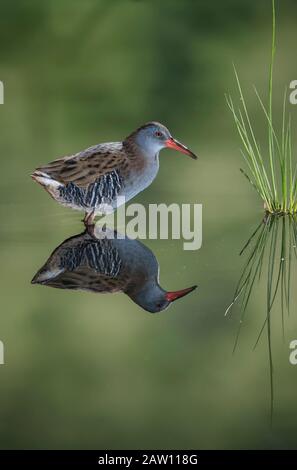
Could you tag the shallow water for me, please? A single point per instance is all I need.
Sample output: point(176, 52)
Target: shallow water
point(92, 370)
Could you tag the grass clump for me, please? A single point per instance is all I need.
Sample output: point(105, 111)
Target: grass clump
point(275, 177)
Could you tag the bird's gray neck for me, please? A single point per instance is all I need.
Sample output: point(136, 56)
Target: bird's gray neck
point(143, 146)
point(148, 290)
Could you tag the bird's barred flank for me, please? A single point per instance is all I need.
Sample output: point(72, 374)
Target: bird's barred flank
point(103, 257)
point(103, 191)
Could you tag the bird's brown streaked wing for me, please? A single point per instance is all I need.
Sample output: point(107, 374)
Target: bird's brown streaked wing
point(86, 167)
point(85, 279)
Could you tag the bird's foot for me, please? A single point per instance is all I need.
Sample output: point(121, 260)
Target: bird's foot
point(88, 220)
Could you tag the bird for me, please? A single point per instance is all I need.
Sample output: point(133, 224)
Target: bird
point(98, 260)
point(102, 177)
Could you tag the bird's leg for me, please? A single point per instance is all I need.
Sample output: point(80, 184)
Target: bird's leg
point(89, 218)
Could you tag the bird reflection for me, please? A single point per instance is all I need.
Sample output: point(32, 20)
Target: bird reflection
point(272, 255)
point(103, 261)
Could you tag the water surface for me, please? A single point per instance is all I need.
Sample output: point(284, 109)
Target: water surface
point(89, 370)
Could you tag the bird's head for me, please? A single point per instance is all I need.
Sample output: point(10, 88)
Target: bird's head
point(153, 137)
point(154, 299)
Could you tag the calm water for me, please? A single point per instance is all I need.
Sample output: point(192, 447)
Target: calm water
point(84, 369)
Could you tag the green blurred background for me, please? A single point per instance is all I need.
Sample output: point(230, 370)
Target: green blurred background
point(89, 371)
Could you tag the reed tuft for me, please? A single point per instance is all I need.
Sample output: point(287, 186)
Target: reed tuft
point(271, 173)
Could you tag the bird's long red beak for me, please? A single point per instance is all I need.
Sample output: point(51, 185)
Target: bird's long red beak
point(174, 295)
point(176, 145)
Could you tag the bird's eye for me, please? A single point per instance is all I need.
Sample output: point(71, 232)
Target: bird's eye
point(158, 134)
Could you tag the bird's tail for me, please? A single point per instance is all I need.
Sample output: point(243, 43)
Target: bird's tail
point(45, 180)
point(46, 274)
point(50, 185)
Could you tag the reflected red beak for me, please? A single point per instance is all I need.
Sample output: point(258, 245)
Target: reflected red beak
point(176, 145)
point(174, 295)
